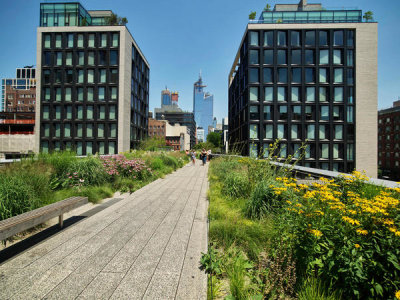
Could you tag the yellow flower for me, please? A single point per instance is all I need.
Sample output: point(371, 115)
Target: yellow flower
point(315, 232)
point(350, 220)
point(397, 295)
point(362, 231)
point(357, 246)
point(397, 233)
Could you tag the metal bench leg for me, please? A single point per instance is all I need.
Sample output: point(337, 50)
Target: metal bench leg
point(61, 220)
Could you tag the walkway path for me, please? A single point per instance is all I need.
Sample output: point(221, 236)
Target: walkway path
point(147, 246)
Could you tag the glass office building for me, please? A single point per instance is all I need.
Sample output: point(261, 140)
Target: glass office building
point(203, 106)
point(93, 84)
point(312, 82)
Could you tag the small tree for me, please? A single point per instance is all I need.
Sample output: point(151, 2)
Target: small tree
point(267, 7)
point(214, 138)
point(114, 19)
point(252, 15)
point(368, 16)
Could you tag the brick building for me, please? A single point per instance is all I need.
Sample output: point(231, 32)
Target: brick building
point(156, 128)
point(389, 141)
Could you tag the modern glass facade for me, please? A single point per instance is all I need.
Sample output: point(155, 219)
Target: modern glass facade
point(64, 14)
point(203, 106)
point(297, 86)
point(323, 16)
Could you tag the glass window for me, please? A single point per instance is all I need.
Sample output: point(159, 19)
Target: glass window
point(80, 40)
point(115, 40)
point(350, 151)
point(310, 38)
point(47, 94)
point(253, 150)
point(310, 77)
point(113, 130)
point(91, 40)
point(101, 91)
point(58, 94)
point(58, 58)
point(89, 130)
point(47, 41)
point(46, 130)
point(282, 75)
point(67, 130)
point(268, 57)
point(254, 114)
point(323, 94)
point(350, 58)
point(253, 131)
point(350, 114)
point(282, 150)
point(90, 76)
point(337, 57)
point(281, 93)
point(295, 94)
point(91, 58)
point(268, 93)
point(282, 38)
point(350, 95)
point(89, 112)
point(311, 132)
point(70, 39)
point(68, 112)
point(79, 150)
point(296, 150)
point(295, 131)
point(338, 77)
point(68, 96)
point(58, 113)
point(337, 113)
point(45, 146)
point(309, 113)
point(101, 148)
point(295, 38)
point(68, 59)
point(69, 76)
point(114, 76)
point(58, 76)
point(102, 57)
point(324, 151)
point(323, 57)
point(267, 112)
point(324, 113)
point(81, 76)
point(112, 115)
point(102, 112)
point(296, 57)
point(268, 38)
point(58, 40)
point(254, 38)
point(323, 38)
point(338, 132)
point(113, 93)
point(89, 148)
point(310, 95)
point(268, 75)
point(282, 57)
point(253, 75)
point(350, 38)
point(281, 132)
point(57, 130)
point(100, 130)
point(310, 57)
point(296, 75)
point(102, 75)
point(283, 115)
point(338, 94)
point(46, 112)
point(323, 132)
point(254, 57)
point(79, 130)
point(350, 76)
point(103, 40)
point(323, 75)
point(269, 131)
point(79, 112)
point(338, 38)
point(253, 93)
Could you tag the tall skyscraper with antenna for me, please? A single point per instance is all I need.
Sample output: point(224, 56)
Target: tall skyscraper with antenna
point(203, 105)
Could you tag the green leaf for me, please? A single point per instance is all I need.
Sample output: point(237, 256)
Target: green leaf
point(378, 289)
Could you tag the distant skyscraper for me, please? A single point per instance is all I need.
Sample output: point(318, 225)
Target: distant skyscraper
point(165, 97)
point(174, 98)
point(203, 105)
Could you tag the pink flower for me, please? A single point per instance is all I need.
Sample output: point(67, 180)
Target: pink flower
point(81, 180)
point(70, 177)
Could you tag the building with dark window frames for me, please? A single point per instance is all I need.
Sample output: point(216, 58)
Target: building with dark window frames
point(389, 142)
point(92, 83)
point(307, 75)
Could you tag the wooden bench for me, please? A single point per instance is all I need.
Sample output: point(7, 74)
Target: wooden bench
point(14, 225)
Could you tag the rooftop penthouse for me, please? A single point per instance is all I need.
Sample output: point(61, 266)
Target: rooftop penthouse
point(308, 13)
point(71, 14)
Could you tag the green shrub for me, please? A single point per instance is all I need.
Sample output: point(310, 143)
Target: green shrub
point(236, 185)
point(170, 161)
point(263, 200)
point(222, 167)
point(312, 288)
point(157, 164)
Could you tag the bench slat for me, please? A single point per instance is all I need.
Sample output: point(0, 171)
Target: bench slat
point(14, 225)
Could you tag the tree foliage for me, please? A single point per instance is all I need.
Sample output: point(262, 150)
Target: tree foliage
point(252, 15)
point(114, 19)
point(153, 143)
point(368, 16)
point(214, 138)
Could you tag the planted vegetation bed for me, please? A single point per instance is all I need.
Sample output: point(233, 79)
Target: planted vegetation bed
point(271, 238)
point(48, 178)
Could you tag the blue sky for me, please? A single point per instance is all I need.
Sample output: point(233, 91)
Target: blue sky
point(180, 37)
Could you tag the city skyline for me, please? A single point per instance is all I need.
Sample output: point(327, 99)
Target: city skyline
point(175, 66)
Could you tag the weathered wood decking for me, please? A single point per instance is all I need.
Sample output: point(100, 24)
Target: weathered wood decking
point(147, 246)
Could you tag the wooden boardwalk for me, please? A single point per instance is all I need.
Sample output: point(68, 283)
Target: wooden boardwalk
point(146, 246)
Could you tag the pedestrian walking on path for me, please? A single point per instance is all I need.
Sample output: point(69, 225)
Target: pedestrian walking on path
point(193, 154)
point(203, 156)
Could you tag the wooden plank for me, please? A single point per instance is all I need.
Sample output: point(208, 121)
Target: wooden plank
point(14, 225)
